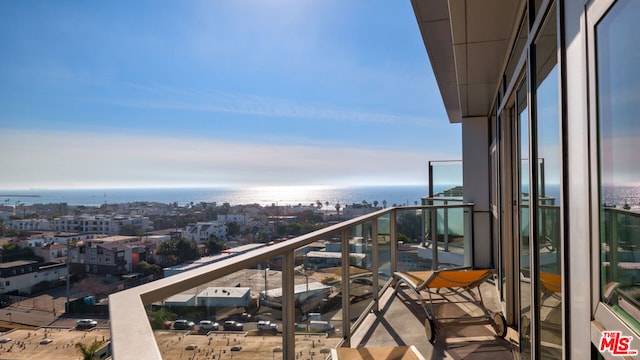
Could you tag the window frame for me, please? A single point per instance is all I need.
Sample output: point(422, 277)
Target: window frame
point(603, 317)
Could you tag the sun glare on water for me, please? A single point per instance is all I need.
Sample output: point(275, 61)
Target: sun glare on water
point(290, 194)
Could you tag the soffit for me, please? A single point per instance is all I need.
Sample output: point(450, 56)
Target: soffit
point(467, 42)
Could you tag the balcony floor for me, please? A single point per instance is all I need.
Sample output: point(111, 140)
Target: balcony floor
point(400, 322)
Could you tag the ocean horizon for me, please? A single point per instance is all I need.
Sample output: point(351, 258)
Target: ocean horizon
point(402, 195)
point(265, 196)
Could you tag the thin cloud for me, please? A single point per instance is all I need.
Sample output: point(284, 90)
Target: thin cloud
point(106, 160)
point(223, 102)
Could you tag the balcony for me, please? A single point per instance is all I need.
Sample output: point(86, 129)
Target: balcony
point(327, 289)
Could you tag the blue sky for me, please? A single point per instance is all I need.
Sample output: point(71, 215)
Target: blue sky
point(216, 93)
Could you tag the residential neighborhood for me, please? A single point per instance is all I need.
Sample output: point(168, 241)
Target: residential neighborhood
point(43, 245)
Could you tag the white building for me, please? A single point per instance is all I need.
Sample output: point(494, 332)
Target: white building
point(29, 224)
point(202, 231)
point(224, 296)
point(61, 238)
point(22, 275)
point(52, 252)
point(237, 218)
point(100, 224)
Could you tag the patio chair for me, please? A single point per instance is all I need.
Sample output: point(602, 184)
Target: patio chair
point(452, 286)
point(379, 353)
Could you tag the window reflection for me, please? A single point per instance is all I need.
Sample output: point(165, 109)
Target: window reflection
point(618, 79)
point(549, 173)
point(523, 196)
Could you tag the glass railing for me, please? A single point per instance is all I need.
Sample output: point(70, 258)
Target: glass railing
point(620, 259)
point(445, 179)
point(447, 237)
point(301, 296)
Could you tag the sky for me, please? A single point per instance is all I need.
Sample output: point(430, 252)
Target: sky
point(97, 94)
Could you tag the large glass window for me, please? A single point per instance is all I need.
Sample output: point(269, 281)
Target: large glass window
point(549, 173)
point(618, 96)
point(523, 225)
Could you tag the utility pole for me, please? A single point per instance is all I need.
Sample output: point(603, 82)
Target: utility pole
point(66, 306)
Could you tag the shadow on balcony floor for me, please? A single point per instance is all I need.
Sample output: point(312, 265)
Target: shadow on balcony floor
point(400, 322)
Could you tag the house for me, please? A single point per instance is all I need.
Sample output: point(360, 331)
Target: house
point(29, 224)
point(51, 252)
point(111, 256)
point(23, 275)
point(202, 231)
point(101, 224)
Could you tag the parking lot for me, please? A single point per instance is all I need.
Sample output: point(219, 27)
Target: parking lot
point(249, 345)
point(29, 344)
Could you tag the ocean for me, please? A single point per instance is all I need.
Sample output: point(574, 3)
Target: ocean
point(265, 196)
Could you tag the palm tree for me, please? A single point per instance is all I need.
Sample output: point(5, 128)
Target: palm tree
point(89, 352)
point(338, 208)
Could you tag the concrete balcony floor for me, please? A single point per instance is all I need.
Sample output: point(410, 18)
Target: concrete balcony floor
point(400, 321)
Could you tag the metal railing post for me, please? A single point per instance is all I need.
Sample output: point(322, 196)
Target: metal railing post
point(288, 306)
point(375, 264)
point(346, 317)
point(445, 220)
point(434, 237)
point(393, 247)
point(468, 236)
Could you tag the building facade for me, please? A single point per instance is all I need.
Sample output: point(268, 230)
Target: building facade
point(52, 252)
point(545, 92)
point(202, 231)
point(101, 224)
point(29, 224)
point(22, 275)
point(109, 256)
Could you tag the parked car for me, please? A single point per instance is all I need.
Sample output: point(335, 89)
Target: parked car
point(183, 324)
point(86, 323)
point(265, 325)
point(321, 326)
point(207, 325)
point(231, 325)
point(45, 341)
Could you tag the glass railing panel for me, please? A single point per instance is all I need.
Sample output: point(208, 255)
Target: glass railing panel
point(445, 178)
point(318, 296)
point(239, 312)
point(411, 255)
point(620, 259)
point(360, 269)
point(384, 249)
point(448, 226)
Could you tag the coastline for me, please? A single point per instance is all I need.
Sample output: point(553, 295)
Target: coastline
point(393, 194)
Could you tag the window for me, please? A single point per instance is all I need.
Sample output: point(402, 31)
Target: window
point(548, 167)
point(618, 86)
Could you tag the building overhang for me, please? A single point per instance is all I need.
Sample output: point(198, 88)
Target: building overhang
point(468, 42)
